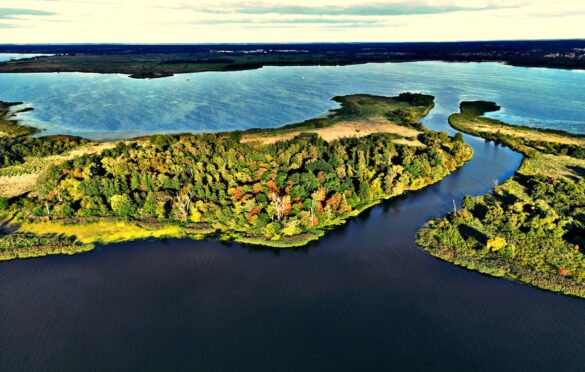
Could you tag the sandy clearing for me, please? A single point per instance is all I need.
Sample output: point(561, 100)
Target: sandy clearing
point(11, 186)
point(23, 181)
point(408, 142)
point(344, 129)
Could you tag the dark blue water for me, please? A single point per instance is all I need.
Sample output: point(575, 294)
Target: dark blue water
point(364, 297)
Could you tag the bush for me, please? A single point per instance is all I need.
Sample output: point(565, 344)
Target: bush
point(4, 203)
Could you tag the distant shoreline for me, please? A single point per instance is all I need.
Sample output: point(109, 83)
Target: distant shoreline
point(157, 61)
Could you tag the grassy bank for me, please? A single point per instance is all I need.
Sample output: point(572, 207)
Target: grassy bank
point(532, 227)
point(239, 186)
point(27, 245)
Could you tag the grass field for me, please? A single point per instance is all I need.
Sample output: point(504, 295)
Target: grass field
point(22, 178)
point(102, 231)
point(529, 141)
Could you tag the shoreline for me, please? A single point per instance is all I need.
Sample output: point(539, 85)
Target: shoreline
point(157, 75)
point(402, 112)
point(10, 123)
point(551, 156)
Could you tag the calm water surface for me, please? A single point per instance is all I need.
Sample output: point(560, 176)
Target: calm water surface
point(362, 298)
point(114, 106)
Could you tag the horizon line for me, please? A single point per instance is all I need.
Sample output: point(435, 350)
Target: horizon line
point(298, 42)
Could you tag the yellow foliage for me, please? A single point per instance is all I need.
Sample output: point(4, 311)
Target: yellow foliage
point(292, 228)
point(103, 231)
point(497, 243)
point(194, 214)
point(70, 186)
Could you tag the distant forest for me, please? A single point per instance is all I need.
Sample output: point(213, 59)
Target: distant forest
point(155, 59)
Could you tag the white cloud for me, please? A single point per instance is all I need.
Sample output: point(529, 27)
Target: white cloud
point(198, 21)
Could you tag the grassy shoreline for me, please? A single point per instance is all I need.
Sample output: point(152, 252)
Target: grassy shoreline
point(531, 228)
point(57, 205)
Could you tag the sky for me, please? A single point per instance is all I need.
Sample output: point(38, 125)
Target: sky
point(229, 21)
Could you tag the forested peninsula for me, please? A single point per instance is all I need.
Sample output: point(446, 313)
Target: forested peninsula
point(276, 187)
point(532, 227)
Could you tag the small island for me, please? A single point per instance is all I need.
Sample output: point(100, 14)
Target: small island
point(532, 227)
point(274, 187)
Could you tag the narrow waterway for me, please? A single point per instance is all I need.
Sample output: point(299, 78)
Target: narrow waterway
point(364, 297)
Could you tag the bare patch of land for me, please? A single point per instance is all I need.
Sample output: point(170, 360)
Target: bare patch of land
point(22, 178)
point(344, 129)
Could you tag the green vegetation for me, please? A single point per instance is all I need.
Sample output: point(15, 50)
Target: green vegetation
point(26, 245)
point(154, 61)
point(529, 141)
point(157, 65)
point(15, 144)
point(10, 127)
point(532, 227)
point(360, 106)
point(106, 230)
point(282, 194)
point(359, 115)
point(14, 150)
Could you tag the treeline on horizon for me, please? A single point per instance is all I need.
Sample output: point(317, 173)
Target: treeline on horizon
point(411, 47)
point(162, 60)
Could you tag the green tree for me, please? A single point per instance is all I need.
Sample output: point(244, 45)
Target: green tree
point(3, 203)
point(122, 205)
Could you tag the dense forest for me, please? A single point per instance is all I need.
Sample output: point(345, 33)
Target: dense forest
point(532, 227)
point(283, 194)
point(268, 192)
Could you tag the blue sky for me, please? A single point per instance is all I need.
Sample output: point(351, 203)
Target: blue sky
point(206, 21)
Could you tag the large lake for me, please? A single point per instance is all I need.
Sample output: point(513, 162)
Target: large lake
point(114, 106)
point(364, 297)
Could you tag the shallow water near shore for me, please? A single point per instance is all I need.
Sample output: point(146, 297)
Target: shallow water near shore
point(364, 297)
